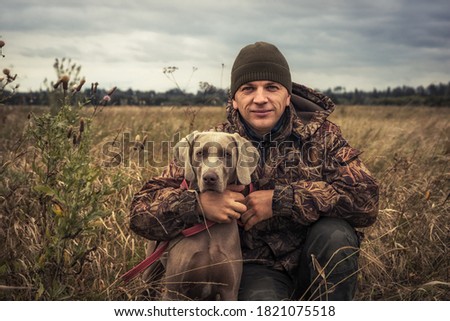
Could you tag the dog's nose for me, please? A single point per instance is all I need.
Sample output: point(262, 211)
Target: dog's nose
point(210, 178)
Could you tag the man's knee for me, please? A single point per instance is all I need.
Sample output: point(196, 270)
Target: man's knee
point(332, 246)
point(261, 283)
point(329, 236)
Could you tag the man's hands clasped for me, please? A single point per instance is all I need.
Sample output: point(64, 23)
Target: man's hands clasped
point(232, 204)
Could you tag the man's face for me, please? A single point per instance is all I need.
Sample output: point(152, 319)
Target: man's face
point(261, 103)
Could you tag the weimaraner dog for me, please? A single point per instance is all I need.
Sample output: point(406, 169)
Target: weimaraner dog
point(208, 265)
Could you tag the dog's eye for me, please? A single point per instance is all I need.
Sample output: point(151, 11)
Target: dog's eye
point(199, 153)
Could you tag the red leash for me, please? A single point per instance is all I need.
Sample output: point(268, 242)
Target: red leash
point(131, 274)
point(197, 228)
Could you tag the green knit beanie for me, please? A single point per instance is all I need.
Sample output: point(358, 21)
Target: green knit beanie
point(260, 61)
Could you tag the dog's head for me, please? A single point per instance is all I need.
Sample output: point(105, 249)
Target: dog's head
point(215, 159)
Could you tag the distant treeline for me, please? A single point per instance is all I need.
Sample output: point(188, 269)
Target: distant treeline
point(432, 95)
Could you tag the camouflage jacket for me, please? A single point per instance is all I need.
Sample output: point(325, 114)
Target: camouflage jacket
point(306, 161)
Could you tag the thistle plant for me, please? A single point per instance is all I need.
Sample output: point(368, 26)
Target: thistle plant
point(7, 88)
point(69, 189)
point(7, 81)
point(69, 82)
point(2, 44)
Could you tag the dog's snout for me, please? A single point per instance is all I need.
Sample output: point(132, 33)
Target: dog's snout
point(210, 178)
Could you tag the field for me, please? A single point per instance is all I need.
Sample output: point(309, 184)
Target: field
point(67, 181)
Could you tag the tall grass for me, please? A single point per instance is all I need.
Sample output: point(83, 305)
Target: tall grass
point(404, 255)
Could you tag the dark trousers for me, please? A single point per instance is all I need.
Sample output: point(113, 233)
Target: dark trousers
point(328, 268)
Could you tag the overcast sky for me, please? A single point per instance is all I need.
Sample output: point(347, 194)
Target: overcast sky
point(362, 44)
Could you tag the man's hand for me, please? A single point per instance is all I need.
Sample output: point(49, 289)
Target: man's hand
point(259, 204)
point(223, 207)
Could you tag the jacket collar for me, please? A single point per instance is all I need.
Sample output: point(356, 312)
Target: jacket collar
point(281, 129)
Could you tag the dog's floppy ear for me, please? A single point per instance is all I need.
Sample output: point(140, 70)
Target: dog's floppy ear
point(182, 154)
point(248, 158)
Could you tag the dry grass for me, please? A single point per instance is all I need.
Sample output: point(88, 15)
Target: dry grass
point(405, 255)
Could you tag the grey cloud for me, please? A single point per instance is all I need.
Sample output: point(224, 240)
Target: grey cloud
point(323, 36)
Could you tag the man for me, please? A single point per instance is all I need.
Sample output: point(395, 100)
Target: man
point(297, 237)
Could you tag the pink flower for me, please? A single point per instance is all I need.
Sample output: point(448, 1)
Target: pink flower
point(105, 100)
